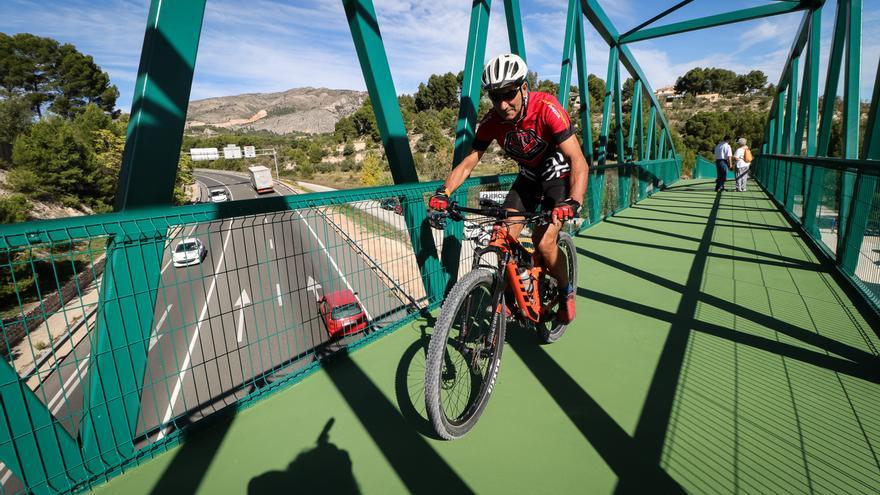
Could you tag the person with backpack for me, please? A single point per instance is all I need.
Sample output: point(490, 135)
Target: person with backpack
point(743, 159)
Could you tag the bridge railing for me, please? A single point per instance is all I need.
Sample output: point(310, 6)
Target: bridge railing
point(108, 362)
point(705, 169)
point(810, 192)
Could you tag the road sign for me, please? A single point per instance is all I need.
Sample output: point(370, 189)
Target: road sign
point(231, 152)
point(204, 154)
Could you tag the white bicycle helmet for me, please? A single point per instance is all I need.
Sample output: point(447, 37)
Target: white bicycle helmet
point(504, 70)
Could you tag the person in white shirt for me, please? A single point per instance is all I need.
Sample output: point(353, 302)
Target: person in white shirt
point(723, 162)
point(743, 159)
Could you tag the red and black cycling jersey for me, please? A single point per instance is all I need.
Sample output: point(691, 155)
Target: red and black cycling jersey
point(533, 139)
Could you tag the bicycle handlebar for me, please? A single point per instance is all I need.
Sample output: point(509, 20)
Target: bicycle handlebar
point(453, 211)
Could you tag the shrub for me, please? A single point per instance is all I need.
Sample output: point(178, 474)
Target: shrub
point(13, 208)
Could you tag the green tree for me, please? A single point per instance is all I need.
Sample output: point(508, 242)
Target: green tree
point(76, 162)
point(13, 208)
point(16, 118)
point(345, 129)
point(52, 162)
point(48, 74)
point(364, 120)
point(753, 81)
point(596, 87)
point(371, 170)
point(721, 80)
point(442, 91)
point(316, 153)
point(184, 179)
point(692, 82)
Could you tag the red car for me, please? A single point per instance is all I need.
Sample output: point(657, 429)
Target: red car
point(342, 313)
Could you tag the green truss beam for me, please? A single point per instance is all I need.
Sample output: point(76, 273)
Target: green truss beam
point(133, 270)
point(713, 21)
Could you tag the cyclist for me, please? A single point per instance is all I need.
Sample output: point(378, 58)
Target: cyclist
point(534, 130)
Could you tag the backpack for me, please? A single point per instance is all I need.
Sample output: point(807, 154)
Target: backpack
point(748, 156)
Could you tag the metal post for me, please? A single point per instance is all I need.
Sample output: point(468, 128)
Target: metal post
point(606, 107)
point(377, 75)
point(133, 270)
point(470, 85)
point(571, 23)
point(851, 231)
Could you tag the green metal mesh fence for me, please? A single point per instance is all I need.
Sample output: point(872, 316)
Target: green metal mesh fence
point(843, 220)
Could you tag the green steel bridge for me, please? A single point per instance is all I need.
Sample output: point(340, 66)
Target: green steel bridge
point(724, 342)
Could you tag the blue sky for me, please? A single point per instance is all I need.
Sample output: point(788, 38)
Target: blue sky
point(274, 45)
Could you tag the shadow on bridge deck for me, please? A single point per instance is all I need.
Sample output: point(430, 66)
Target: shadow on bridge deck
point(713, 352)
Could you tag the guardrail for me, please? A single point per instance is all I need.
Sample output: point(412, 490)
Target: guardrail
point(837, 202)
point(705, 169)
point(264, 290)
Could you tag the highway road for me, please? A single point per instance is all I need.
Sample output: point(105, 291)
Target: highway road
point(248, 310)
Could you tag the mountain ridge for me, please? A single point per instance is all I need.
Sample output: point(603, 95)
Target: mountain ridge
point(298, 110)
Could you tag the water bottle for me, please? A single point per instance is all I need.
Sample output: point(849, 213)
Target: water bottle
point(526, 278)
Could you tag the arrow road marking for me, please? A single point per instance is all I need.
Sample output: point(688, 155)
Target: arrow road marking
point(314, 286)
point(156, 336)
point(333, 262)
point(242, 301)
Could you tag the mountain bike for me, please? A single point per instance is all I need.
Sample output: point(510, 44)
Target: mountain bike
point(507, 281)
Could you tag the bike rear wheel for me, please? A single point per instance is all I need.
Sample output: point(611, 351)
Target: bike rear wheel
point(551, 331)
point(464, 355)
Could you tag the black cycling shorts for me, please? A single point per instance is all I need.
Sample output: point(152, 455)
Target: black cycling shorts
point(526, 194)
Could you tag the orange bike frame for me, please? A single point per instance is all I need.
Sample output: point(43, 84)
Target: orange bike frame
point(528, 303)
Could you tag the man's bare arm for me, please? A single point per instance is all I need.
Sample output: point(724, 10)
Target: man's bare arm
point(571, 150)
point(462, 171)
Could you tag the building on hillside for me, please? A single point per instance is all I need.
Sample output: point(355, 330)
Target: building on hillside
point(667, 93)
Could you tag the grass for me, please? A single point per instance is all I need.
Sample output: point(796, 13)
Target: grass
point(370, 223)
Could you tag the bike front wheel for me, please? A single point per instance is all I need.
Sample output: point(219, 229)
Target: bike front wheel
point(464, 355)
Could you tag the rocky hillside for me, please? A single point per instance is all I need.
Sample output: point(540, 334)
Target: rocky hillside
point(306, 110)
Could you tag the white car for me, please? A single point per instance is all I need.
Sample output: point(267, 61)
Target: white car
point(219, 196)
point(189, 251)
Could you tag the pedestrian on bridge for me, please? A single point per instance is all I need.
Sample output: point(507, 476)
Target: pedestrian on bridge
point(743, 159)
point(723, 162)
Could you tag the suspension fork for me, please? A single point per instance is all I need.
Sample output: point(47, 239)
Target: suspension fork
point(488, 341)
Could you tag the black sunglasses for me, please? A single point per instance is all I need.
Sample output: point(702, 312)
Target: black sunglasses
point(507, 95)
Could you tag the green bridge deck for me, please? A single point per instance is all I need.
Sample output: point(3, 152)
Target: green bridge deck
point(713, 352)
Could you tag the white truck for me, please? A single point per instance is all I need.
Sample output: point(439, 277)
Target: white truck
point(261, 179)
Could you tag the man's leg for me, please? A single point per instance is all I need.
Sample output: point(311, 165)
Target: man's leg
point(721, 171)
point(546, 244)
point(545, 239)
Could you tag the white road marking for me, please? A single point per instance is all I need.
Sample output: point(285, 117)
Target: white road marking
point(77, 377)
point(271, 245)
point(313, 285)
point(333, 262)
point(5, 476)
point(278, 292)
point(192, 344)
point(155, 339)
point(242, 301)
